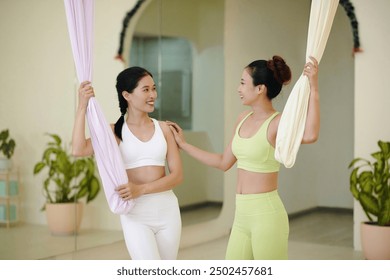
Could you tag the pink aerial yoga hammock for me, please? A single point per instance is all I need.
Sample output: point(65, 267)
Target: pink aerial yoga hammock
point(292, 122)
point(80, 15)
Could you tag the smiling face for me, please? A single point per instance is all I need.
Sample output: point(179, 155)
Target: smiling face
point(143, 96)
point(247, 92)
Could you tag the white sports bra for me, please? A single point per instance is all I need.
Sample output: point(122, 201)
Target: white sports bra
point(136, 153)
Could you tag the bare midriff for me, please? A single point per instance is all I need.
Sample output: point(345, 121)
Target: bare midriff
point(253, 182)
point(145, 174)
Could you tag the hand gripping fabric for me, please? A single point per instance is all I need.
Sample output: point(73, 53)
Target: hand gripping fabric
point(293, 119)
point(80, 15)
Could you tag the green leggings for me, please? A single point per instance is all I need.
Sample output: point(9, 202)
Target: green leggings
point(260, 229)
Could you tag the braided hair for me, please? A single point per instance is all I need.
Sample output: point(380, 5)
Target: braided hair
point(127, 80)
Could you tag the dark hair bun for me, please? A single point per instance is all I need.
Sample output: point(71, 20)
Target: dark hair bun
point(282, 72)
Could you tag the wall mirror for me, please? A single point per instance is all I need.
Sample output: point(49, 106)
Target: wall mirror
point(186, 61)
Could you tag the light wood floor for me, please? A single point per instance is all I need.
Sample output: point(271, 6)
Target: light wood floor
point(324, 234)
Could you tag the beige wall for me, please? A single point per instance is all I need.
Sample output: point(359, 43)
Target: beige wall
point(37, 81)
point(372, 95)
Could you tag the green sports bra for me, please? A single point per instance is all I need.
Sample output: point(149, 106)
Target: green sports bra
point(255, 154)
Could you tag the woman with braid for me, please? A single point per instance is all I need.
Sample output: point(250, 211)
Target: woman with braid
point(152, 229)
point(260, 228)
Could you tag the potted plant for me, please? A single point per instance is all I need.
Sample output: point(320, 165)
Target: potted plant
point(7, 148)
point(67, 181)
point(370, 185)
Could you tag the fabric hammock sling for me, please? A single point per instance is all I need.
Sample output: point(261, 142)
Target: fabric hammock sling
point(80, 16)
point(292, 123)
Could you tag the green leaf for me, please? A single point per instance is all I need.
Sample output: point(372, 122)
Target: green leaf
point(367, 186)
point(353, 162)
point(365, 181)
point(4, 134)
point(369, 203)
point(378, 156)
point(365, 175)
point(385, 149)
point(353, 183)
point(94, 188)
point(38, 167)
point(354, 190)
point(353, 178)
point(378, 188)
point(384, 215)
point(84, 182)
point(47, 154)
point(62, 162)
point(56, 138)
point(83, 191)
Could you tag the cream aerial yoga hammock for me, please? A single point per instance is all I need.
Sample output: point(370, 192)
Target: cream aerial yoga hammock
point(292, 122)
point(80, 14)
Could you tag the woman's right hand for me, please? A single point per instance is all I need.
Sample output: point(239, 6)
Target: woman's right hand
point(130, 191)
point(85, 93)
point(311, 71)
point(177, 133)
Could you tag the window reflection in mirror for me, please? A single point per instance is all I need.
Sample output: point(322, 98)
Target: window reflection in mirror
point(174, 89)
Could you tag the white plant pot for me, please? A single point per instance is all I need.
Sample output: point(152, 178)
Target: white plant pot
point(375, 241)
point(64, 218)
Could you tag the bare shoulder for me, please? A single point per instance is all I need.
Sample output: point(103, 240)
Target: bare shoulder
point(274, 125)
point(276, 120)
point(163, 125)
point(242, 115)
point(113, 132)
point(168, 135)
point(165, 128)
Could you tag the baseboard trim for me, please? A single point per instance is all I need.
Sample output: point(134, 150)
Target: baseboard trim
point(320, 209)
point(200, 205)
point(294, 215)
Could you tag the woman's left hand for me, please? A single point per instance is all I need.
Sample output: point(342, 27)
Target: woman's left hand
point(129, 191)
point(177, 133)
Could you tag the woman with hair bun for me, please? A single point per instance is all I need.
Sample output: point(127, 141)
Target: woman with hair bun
point(152, 229)
point(261, 228)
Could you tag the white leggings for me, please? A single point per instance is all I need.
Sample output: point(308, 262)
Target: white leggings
point(152, 229)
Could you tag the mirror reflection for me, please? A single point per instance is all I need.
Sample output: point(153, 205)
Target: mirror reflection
point(186, 61)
